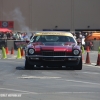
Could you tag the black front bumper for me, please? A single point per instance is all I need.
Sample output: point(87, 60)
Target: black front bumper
point(53, 60)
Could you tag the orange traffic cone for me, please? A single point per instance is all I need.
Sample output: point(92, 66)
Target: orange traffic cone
point(7, 51)
point(12, 50)
point(22, 52)
point(87, 58)
point(98, 60)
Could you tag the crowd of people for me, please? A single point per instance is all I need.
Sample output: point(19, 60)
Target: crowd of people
point(20, 35)
point(14, 36)
point(79, 36)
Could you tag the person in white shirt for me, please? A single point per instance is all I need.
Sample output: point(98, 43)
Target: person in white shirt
point(80, 35)
point(83, 41)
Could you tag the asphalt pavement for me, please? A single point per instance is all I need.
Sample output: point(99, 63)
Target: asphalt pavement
point(16, 83)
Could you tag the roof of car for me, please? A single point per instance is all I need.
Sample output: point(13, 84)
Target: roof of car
point(53, 33)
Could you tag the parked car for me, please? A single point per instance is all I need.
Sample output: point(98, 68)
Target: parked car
point(53, 49)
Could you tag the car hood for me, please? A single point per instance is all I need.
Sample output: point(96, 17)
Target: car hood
point(51, 46)
point(58, 43)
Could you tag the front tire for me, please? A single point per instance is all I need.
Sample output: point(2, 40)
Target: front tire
point(79, 66)
point(27, 65)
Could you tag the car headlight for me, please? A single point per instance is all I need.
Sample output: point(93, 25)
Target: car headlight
point(31, 51)
point(76, 52)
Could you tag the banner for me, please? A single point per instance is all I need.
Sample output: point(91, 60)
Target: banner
point(18, 44)
point(7, 24)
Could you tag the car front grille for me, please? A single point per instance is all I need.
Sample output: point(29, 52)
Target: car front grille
point(52, 53)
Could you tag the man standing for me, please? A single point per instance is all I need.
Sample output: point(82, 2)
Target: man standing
point(32, 35)
point(91, 45)
point(25, 37)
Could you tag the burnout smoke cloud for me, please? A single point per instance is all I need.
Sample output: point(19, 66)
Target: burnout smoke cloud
point(17, 16)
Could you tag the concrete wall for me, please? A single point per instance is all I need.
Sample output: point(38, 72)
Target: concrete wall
point(46, 14)
point(86, 13)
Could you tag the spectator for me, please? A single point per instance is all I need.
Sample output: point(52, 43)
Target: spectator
point(32, 35)
point(5, 36)
point(75, 36)
point(80, 35)
point(25, 37)
point(91, 45)
point(8, 35)
point(83, 41)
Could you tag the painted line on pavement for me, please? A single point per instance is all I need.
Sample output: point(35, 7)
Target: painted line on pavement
point(37, 77)
point(90, 73)
point(74, 92)
point(35, 93)
point(18, 90)
point(79, 82)
point(63, 93)
point(53, 93)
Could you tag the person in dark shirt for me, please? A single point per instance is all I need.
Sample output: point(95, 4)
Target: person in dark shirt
point(32, 35)
point(91, 45)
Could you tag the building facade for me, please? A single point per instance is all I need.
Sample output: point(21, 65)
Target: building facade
point(33, 15)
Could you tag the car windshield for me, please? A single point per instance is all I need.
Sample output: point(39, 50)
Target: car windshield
point(52, 38)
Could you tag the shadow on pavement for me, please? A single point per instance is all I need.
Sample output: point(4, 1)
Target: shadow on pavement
point(39, 68)
point(20, 68)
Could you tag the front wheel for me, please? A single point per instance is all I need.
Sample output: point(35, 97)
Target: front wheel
point(27, 65)
point(79, 66)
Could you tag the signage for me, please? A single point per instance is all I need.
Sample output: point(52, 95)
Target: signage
point(18, 44)
point(7, 24)
point(4, 24)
